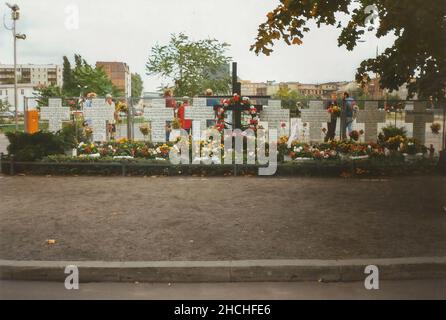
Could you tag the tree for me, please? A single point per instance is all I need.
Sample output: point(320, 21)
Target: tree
point(67, 74)
point(43, 93)
point(95, 79)
point(417, 58)
point(191, 67)
point(288, 97)
point(137, 85)
point(83, 75)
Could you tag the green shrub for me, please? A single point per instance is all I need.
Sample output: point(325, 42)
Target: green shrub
point(72, 136)
point(31, 147)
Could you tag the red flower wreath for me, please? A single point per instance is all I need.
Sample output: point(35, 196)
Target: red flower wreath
point(225, 103)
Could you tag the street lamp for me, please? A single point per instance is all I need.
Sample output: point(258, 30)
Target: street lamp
point(15, 14)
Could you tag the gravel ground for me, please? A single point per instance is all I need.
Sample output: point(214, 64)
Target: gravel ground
point(133, 219)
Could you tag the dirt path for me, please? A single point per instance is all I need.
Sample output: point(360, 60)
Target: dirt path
point(135, 219)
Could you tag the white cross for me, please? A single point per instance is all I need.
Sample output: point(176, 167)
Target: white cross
point(275, 103)
point(158, 115)
point(55, 113)
point(276, 117)
point(199, 115)
point(419, 117)
point(315, 116)
point(98, 114)
point(371, 116)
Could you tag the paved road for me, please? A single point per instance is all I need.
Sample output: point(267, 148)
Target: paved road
point(414, 289)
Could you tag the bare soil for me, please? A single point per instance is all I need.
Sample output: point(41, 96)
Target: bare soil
point(136, 219)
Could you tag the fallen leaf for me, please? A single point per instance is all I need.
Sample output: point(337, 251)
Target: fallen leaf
point(51, 241)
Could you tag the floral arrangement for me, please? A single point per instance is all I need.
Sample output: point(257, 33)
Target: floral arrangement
point(176, 124)
point(121, 106)
point(245, 101)
point(124, 148)
point(144, 129)
point(335, 111)
point(435, 127)
point(354, 135)
point(410, 146)
point(88, 132)
point(394, 143)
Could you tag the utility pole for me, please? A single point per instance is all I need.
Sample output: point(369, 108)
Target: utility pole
point(15, 14)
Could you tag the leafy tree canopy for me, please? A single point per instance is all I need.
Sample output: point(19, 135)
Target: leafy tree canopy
point(80, 80)
point(137, 85)
point(417, 58)
point(191, 67)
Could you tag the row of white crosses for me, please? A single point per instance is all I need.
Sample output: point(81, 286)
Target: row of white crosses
point(371, 116)
point(96, 115)
point(316, 115)
point(99, 113)
point(159, 114)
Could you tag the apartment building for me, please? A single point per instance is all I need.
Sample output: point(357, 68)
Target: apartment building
point(34, 74)
point(119, 74)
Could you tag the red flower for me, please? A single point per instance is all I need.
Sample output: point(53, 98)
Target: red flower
point(236, 98)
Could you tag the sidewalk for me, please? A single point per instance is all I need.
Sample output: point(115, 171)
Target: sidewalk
point(413, 289)
point(220, 219)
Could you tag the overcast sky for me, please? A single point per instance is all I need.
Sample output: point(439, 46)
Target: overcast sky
point(116, 30)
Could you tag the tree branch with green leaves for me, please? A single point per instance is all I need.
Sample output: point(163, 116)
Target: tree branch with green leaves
point(417, 58)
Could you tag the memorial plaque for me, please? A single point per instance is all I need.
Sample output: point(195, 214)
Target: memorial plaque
point(275, 103)
point(97, 116)
point(419, 117)
point(276, 118)
point(201, 114)
point(371, 116)
point(158, 118)
point(315, 116)
point(199, 102)
point(55, 114)
point(158, 103)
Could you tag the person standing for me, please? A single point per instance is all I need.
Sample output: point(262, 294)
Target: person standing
point(331, 126)
point(112, 124)
point(186, 124)
point(347, 116)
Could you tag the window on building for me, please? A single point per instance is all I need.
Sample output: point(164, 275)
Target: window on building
point(22, 92)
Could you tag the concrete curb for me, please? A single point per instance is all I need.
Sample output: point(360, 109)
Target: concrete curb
point(226, 271)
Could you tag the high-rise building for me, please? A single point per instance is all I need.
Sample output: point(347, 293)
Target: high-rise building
point(34, 74)
point(119, 74)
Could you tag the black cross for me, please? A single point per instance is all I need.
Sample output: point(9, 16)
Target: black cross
point(238, 108)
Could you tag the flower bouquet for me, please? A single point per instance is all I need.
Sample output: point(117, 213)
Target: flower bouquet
point(354, 135)
point(335, 111)
point(435, 127)
point(145, 130)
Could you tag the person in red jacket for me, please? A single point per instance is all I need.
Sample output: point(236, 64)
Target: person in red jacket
point(186, 124)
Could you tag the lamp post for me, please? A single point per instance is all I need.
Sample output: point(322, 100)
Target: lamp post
point(15, 14)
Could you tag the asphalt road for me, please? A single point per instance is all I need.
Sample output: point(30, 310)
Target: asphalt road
point(413, 289)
